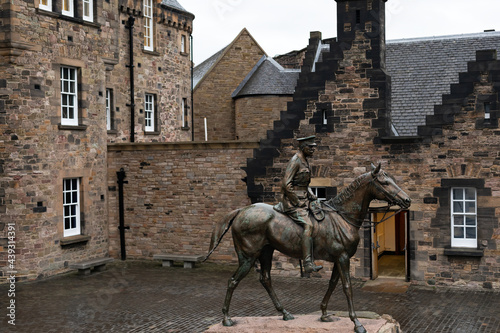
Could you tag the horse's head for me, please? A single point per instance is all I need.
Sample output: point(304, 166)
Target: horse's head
point(387, 190)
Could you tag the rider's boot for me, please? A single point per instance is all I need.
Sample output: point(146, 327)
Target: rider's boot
point(309, 265)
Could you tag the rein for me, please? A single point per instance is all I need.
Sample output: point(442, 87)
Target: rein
point(358, 223)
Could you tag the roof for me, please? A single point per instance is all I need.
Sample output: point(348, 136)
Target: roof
point(174, 4)
point(201, 71)
point(268, 78)
point(422, 70)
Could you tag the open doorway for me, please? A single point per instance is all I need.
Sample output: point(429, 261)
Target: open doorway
point(389, 250)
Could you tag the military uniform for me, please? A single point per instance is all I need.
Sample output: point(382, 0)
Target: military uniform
point(297, 197)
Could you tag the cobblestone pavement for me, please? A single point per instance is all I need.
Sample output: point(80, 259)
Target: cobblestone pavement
point(137, 296)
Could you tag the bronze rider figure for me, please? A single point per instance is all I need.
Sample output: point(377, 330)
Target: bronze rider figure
point(297, 197)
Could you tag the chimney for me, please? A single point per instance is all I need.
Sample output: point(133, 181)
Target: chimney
point(367, 16)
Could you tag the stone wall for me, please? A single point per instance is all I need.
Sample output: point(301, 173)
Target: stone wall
point(164, 72)
point(212, 95)
point(255, 115)
point(38, 153)
point(176, 193)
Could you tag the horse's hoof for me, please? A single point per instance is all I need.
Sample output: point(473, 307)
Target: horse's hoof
point(287, 315)
point(329, 319)
point(359, 329)
point(228, 322)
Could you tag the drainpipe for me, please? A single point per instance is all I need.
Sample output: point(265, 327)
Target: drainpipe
point(192, 88)
point(121, 211)
point(130, 27)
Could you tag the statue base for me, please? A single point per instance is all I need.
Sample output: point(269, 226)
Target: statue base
point(310, 323)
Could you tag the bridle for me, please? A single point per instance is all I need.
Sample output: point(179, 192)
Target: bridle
point(358, 223)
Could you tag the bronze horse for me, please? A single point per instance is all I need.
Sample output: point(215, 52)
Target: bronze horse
point(258, 230)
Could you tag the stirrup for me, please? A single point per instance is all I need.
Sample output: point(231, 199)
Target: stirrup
point(311, 267)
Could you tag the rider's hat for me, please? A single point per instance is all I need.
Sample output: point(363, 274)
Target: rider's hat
point(307, 141)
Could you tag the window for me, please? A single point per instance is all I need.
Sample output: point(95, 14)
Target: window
point(109, 108)
point(487, 111)
point(88, 10)
point(69, 96)
point(184, 115)
point(149, 117)
point(67, 8)
point(319, 192)
point(148, 25)
point(324, 116)
point(45, 5)
point(71, 207)
point(183, 44)
point(463, 217)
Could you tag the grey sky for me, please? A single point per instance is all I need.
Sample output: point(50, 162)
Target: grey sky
point(280, 26)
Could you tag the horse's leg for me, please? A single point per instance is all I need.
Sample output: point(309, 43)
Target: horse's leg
point(266, 259)
point(331, 287)
point(344, 264)
point(245, 264)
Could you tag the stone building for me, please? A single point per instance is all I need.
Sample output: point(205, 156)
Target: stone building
point(76, 75)
point(377, 101)
point(214, 82)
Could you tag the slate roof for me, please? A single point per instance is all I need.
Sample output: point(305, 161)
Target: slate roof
point(422, 70)
point(173, 4)
point(268, 78)
point(203, 68)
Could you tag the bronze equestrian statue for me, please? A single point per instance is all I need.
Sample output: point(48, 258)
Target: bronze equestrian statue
point(258, 230)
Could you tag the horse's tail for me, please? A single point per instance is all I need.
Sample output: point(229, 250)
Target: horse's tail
point(220, 230)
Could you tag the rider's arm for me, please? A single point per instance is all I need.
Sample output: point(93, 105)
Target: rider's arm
point(288, 189)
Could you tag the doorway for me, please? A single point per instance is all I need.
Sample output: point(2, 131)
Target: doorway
point(389, 241)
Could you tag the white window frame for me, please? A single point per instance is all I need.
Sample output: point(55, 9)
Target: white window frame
point(69, 96)
point(148, 25)
point(90, 5)
point(47, 7)
point(109, 105)
point(462, 219)
point(183, 44)
point(184, 115)
point(315, 189)
point(71, 8)
point(71, 207)
point(149, 113)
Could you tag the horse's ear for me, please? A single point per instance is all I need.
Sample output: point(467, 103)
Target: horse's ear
point(376, 170)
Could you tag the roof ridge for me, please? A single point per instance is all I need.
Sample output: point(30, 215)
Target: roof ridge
point(432, 38)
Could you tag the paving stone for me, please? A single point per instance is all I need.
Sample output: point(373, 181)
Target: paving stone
point(143, 296)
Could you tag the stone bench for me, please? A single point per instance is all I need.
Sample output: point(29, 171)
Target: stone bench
point(84, 267)
point(168, 259)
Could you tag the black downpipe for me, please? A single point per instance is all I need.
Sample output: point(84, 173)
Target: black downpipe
point(192, 87)
point(130, 26)
point(121, 211)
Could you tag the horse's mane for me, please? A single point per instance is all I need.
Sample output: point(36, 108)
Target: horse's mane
point(348, 191)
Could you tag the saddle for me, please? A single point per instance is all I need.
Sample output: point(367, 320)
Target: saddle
point(315, 210)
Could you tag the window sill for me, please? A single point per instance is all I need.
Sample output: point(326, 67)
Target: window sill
point(74, 240)
point(153, 53)
point(72, 128)
point(401, 139)
point(463, 251)
point(68, 18)
point(113, 132)
point(152, 133)
point(185, 54)
point(187, 128)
